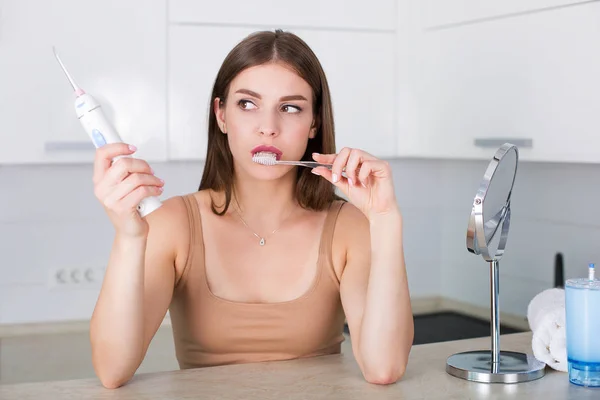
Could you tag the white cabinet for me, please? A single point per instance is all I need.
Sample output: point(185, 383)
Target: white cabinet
point(359, 67)
point(442, 13)
point(532, 78)
point(339, 14)
point(115, 50)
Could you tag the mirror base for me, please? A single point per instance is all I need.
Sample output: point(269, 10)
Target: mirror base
point(477, 366)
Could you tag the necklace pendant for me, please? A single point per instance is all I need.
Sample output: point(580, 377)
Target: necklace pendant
point(262, 241)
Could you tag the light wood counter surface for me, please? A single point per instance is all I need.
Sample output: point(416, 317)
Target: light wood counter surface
point(329, 377)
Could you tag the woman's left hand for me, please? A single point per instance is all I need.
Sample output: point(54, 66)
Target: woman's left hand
point(368, 182)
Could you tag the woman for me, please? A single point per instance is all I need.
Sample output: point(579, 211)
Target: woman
point(263, 262)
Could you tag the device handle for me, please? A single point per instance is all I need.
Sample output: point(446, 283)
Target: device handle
point(101, 132)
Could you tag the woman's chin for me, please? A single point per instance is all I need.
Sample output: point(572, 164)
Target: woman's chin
point(264, 173)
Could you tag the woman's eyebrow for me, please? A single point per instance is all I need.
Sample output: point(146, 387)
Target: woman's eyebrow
point(284, 98)
point(293, 97)
point(249, 92)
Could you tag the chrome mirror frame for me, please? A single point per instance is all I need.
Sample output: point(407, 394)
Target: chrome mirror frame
point(493, 366)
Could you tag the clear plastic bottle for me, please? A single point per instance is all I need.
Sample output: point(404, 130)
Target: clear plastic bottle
point(582, 311)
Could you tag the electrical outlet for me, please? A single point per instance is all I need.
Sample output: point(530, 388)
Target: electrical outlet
point(75, 277)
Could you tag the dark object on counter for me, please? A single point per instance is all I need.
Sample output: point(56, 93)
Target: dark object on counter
point(449, 325)
point(559, 271)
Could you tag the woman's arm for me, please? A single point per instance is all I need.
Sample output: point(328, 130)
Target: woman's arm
point(373, 286)
point(139, 279)
point(135, 295)
point(375, 295)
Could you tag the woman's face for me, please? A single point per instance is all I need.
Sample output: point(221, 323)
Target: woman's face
point(268, 106)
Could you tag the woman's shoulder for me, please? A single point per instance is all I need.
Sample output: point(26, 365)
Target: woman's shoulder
point(351, 225)
point(350, 215)
point(177, 211)
point(180, 204)
point(171, 224)
point(167, 220)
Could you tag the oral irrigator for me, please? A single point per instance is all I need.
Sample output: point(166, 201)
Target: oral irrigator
point(100, 130)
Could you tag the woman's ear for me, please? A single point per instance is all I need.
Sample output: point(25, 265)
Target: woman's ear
point(219, 109)
point(313, 130)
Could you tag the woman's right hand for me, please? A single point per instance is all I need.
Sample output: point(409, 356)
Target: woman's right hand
point(121, 185)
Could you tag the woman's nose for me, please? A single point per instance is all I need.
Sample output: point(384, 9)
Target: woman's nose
point(269, 125)
point(268, 132)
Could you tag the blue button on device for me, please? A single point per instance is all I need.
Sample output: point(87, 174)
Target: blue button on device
point(98, 139)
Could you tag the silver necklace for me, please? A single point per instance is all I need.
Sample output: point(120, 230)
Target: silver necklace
point(261, 239)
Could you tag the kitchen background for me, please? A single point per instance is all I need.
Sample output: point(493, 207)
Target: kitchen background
point(416, 82)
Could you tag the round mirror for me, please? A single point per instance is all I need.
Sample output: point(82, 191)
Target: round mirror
point(487, 234)
point(490, 216)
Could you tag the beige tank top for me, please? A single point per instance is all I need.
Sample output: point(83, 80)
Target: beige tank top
point(212, 331)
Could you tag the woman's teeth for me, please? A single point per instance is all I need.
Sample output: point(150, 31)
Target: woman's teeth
point(265, 158)
point(265, 154)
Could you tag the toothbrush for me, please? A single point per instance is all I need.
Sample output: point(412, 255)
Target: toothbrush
point(269, 159)
point(591, 272)
point(100, 130)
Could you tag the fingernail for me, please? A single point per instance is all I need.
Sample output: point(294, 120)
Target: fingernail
point(335, 178)
point(161, 181)
point(132, 147)
point(151, 171)
point(314, 171)
point(160, 189)
point(363, 185)
point(315, 154)
point(350, 182)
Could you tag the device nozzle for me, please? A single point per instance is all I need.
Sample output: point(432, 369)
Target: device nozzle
point(76, 88)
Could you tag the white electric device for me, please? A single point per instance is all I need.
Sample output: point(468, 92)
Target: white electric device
point(100, 130)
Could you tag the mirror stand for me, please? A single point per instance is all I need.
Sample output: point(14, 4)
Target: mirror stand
point(485, 238)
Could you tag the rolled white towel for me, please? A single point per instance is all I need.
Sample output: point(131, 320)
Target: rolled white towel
point(549, 339)
point(543, 303)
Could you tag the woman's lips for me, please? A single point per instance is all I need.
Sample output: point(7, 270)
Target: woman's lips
point(267, 149)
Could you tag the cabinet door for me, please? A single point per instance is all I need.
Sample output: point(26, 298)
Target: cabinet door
point(531, 79)
point(359, 68)
point(114, 50)
point(339, 14)
point(442, 13)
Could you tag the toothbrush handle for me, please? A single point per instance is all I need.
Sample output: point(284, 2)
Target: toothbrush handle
point(308, 164)
point(101, 132)
point(311, 164)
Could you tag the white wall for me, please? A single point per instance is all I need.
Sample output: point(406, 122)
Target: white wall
point(50, 219)
point(553, 210)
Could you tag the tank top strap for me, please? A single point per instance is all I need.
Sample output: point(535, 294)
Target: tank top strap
point(325, 250)
point(195, 235)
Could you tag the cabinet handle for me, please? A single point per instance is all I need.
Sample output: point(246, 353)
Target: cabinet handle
point(68, 146)
point(497, 142)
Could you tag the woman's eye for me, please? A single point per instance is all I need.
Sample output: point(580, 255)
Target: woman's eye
point(246, 105)
point(288, 108)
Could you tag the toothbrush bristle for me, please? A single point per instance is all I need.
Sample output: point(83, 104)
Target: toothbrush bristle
point(264, 158)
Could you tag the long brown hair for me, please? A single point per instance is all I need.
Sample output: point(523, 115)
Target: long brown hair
point(312, 192)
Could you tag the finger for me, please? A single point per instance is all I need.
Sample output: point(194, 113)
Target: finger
point(131, 201)
point(105, 155)
point(117, 198)
point(327, 174)
point(125, 166)
point(139, 194)
point(133, 181)
point(365, 171)
point(354, 160)
point(376, 168)
point(339, 163)
point(324, 158)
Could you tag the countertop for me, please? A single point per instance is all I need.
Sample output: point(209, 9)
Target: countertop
point(328, 377)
